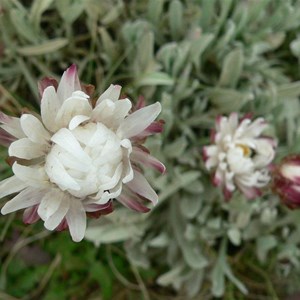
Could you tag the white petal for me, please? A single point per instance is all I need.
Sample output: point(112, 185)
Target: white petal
point(68, 84)
point(104, 112)
point(34, 129)
point(58, 174)
point(11, 185)
point(27, 198)
point(104, 197)
point(255, 128)
point(24, 148)
point(56, 218)
point(49, 204)
point(233, 121)
point(70, 161)
point(140, 185)
point(139, 120)
point(76, 219)
point(121, 111)
point(111, 113)
point(77, 120)
point(127, 168)
point(50, 105)
point(114, 179)
point(112, 93)
point(32, 176)
point(75, 105)
point(67, 141)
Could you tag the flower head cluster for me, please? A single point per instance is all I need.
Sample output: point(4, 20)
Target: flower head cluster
point(240, 155)
point(79, 155)
point(286, 181)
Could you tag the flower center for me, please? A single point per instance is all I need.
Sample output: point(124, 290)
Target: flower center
point(246, 150)
point(85, 161)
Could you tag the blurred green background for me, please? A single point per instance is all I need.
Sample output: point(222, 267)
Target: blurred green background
point(200, 59)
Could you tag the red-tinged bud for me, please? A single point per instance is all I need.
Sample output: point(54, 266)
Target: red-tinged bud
point(286, 181)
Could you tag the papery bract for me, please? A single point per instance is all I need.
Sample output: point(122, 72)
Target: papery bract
point(77, 157)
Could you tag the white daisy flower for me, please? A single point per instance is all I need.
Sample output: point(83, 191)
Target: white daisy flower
point(78, 156)
point(240, 155)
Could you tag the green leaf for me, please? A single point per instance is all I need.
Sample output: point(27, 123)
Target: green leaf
point(110, 47)
point(155, 9)
point(20, 21)
point(295, 47)
point(170, 276)
point(145, 60)
point(289, 90)
point(70, 10)
point(190, 249)
point(234, 235)
point(177, 183)
point(113, 14)
point(111, 233)
point(228, 100)
point(37, 9)
point(175, 18)
point(44, 48)
point(232, 67)
point(198, 47)
point(176, 148)
point(155, 78)
point(263, 245)
point(207, 14)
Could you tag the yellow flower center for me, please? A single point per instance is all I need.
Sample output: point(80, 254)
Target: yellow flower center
point(246, 150)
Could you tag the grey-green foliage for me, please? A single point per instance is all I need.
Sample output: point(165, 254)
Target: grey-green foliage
point(200, 59)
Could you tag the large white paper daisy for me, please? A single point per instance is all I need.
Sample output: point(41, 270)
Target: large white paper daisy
point(78, 156)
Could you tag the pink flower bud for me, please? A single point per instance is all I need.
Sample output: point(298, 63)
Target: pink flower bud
point(286, 181)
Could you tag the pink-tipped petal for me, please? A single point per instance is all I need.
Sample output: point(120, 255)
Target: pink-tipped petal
point(213, 136)
point(217, 179)
point(250, 192)
point(218, 122)
point(5, 138)
point(140, 186)
point(133, 204)
point(11, 125)
point(204, 153)
point(97, 210)
point(153, 128)
point(138, 121)
point(146, 159)
point(69, 83)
